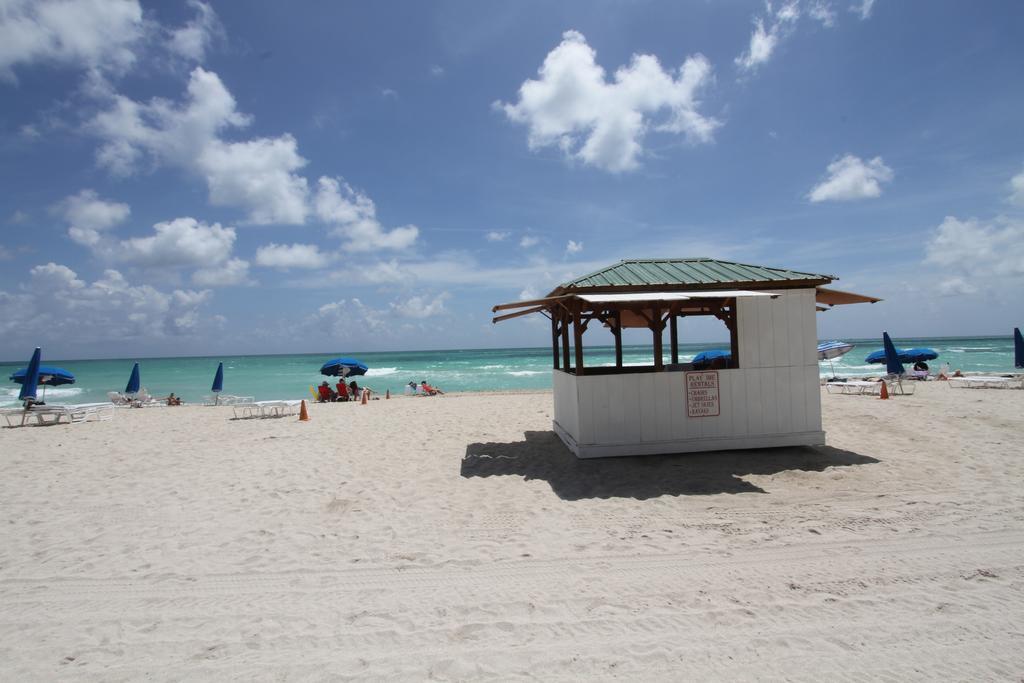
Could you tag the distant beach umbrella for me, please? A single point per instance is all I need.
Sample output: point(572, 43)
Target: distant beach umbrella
point(704, 359)
point(831, 350)
point(913, 355)
point(218, 379)
point(1018, 349)
point(133, 382)
point(343, 367)
point(30, 378)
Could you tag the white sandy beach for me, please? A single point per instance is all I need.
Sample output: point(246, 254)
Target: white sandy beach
point(455, 537)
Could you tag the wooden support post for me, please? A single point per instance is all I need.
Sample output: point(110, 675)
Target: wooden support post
point(577, 333)
point(554, 340)
point(656, 328)
point(734, 338)
point(674, 336)
point(617, 331)
point(565, 340)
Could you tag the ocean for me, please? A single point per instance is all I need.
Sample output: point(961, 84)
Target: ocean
point(289, 376)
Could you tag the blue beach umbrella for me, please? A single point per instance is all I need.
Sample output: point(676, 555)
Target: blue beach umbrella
point(905, 355)
point(704, 359)
point(218, 379)
point(46, 375)
point(892, 360)
point(30, 378)
point(133, 382)
point(343, 367)
point(1018, 349)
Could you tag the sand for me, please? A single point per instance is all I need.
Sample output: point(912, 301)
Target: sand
point(454, 537)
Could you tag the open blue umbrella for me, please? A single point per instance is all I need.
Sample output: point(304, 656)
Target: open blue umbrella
point(913, 355)
point(47, 375)
point(1018, 349)
point(343, 367)
point(30, 378)
point(218, 379)
point(133, 382)
point(704, 359)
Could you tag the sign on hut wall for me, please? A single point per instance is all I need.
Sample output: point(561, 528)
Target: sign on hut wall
point(702, 394)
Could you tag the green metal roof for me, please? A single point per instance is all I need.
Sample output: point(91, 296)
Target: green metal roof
point(688, 272)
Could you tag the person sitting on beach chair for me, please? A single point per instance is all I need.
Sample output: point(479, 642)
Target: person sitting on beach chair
point(326, 395)
point(173, 400)
point(342, 391)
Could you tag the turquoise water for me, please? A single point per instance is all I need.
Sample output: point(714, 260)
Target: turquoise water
point(269, 377)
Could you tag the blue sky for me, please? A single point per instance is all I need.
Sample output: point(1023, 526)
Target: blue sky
point(288, 177)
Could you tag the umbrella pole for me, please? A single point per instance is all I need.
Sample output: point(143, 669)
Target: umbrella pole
point(833, 368)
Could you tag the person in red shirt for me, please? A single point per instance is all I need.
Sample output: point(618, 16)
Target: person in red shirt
point(342, 391)
point(326, 395)
point(429, 390)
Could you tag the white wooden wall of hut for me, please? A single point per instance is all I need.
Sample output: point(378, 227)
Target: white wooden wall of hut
point(772, 399)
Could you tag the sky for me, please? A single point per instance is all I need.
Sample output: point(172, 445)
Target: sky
point(210, 178)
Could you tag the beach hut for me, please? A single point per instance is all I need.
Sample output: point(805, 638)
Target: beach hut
point(764, 392)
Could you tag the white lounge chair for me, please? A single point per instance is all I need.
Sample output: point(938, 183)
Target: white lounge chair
point(54, 414)
point(859, 387)
point(226, 400)
point(278, 408)
point(986, 382)
point(250, 409)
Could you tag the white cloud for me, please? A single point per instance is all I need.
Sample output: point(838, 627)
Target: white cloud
point(573, 247)
point(180, 242)
point(956, 286)
point(389, 92)
point(346, 319)
point(574, 107)
point(192, 40)
point(863, 8)
point(436, 70)
point(1017, 189)
point(497, 236)
point(851, 178)
point(56, 302)
point(89, 34)
point(995, 247)
point(291, 256)
point(88, 216)
point(232, 272)
point(18, 217)
point(421, 306)
point(529, 241)
point(257, 175)
point(768, 31)
point(30, 132)
point(823, 12)
point(354, 217)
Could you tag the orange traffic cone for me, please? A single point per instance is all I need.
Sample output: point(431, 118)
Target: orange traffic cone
point(884, 393)
point(387, 394)
point(365, 392)
point(303, 413)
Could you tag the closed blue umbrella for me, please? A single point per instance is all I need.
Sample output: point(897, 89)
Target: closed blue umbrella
point(1018, 349)
point(218, 379)
point(892, 360)
point(343, 367)
point(30, 380)
point(133, 382)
